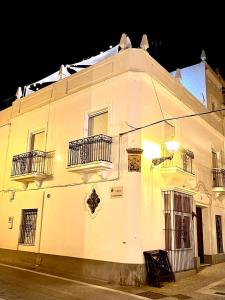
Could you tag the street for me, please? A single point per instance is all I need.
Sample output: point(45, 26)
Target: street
point(18, 283)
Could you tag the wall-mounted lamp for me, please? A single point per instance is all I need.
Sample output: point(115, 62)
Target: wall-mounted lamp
point(171, 146)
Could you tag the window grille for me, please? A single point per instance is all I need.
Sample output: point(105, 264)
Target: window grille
point(28, 226)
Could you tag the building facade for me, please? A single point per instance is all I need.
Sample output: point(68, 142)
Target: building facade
point(85, 186)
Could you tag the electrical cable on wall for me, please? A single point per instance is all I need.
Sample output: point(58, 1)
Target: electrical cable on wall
point(120, 135)
point(172, 118)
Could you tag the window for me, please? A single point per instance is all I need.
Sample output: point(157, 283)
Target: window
point(214, 160)
point(178, 220)
point(34, 161)
point(28, 226)
point(98, 123)
point(187, 158)
point(37, 141)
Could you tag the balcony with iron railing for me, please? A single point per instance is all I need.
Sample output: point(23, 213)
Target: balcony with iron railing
point(218, 179)
point(33, 166)
point(91, 154)
point(179, 170)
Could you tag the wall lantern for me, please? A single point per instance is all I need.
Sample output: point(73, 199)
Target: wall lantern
point(171, 146)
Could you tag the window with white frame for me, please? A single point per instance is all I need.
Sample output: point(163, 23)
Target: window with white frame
point(214, 159)
point(178, 220)
point(28, 226)
point(37, 141)
point(98, 123)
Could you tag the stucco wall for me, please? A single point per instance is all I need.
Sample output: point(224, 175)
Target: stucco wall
point(133, 88)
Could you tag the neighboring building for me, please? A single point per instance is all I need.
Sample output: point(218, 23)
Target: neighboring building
point(203, 83)
point(77, 194)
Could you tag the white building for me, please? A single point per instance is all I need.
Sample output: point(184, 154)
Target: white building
point(79, 197)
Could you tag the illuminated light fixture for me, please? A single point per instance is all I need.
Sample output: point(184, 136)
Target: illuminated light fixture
point(171, 146)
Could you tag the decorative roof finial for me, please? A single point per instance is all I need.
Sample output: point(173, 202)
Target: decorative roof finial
point(217, 71)
point(129, 45)
point(144, 42)
point(178, 74)
point(61, 72)
point(19, 93)
point(125, 42)
point(203, 55)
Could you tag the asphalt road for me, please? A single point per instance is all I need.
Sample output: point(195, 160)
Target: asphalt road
point(19, 284)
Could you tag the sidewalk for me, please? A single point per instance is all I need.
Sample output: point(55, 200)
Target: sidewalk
point(209, 283)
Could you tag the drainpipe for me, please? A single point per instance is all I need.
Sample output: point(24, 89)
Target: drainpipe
point(7, 150)
point(38, 257)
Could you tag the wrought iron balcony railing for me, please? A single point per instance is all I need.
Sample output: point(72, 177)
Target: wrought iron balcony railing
point(90, 149)
point(218, 177)
point(34, 162)
point(182, 159)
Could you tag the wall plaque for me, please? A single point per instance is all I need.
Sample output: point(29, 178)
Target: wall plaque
point(134, 163)
point(134, 159)
point(10, 222)
point(116, 191)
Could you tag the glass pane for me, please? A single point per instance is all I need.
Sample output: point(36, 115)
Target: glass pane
point(178, 230)
point(177, 202)
point(214, 160)
point(98, 124)
point(186, 232)
point(167, 204)
point(168, 231)
point(37, 141)
point(186, 204)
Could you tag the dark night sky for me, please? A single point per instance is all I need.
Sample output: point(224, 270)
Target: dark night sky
point(35, 41)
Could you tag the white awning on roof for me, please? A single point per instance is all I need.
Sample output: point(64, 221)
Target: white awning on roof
point(64, 70)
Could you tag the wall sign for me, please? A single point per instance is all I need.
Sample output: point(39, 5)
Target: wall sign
point(116, 191)
point(10, 222)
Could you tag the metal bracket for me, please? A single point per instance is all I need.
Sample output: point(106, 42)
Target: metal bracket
point(157, 161)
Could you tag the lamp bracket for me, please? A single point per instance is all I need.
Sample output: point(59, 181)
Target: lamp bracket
point(157, 161)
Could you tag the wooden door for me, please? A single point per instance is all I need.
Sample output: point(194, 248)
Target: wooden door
point(200, 234)
point(219, 236)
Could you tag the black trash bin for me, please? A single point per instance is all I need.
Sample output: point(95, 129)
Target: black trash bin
point(158, 267)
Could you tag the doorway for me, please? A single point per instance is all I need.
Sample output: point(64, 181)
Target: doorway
point(200, 234)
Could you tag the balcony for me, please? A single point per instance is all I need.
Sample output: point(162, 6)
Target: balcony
point(89, 155)
point(179, 170)
point(34, 166)
point(218, 178)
